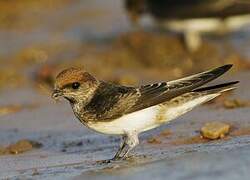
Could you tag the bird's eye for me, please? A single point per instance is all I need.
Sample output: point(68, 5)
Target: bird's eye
point(75, 85)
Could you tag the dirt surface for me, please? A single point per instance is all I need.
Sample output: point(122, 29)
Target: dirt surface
point(39, 39)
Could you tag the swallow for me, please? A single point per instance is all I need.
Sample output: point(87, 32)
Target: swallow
point(192, 17)
point(125, 111)
point(187, 9)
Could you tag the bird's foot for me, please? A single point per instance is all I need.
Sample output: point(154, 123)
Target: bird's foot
point(106, 161)
point(114, 159)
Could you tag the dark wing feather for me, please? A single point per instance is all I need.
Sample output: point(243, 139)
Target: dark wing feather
point(113, 101)
point(154, 94)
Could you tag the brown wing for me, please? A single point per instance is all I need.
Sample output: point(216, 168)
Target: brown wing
point(154, 94)
point(111, 101)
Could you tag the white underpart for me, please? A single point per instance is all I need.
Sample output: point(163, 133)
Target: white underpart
point(192, 28)
point(205, 25)
point(146, 119)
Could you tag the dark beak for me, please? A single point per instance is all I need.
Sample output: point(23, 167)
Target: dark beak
point(56, 94)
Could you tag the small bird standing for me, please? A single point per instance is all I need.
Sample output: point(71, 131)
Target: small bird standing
point(119, 110)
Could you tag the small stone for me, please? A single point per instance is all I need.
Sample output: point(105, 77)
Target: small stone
point(215, 130)
point(20, 147)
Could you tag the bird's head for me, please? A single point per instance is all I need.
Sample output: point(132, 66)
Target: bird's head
point(74, 84)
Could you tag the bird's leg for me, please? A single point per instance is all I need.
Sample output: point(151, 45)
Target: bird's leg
point(192, 40)
point(118, 153)
point(131, 141)
point(122, 146)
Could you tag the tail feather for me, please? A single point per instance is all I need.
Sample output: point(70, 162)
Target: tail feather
point(218, 88)
point(203, 77)
point(190, 83)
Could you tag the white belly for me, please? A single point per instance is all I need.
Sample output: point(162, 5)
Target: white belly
point(148, 118)
point(137, 121)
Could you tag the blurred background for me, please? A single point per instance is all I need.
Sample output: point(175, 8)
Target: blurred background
point(117, 40)
point(129, 42)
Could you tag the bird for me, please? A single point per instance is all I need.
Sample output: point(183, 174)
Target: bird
point(185, 9)
point(192, 17)
point(127, 111)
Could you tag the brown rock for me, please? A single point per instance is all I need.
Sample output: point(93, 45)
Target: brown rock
point(215, 130)
point(20, 147)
